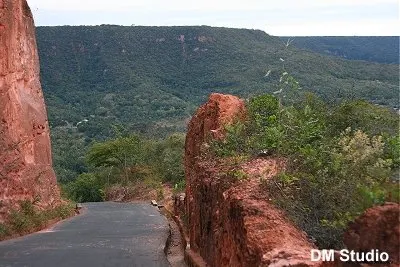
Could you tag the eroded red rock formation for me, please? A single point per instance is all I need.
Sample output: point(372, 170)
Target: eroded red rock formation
point(233, 223)
point(378, 228)
point(231, 220)
point(208, 122)
point(26, 171)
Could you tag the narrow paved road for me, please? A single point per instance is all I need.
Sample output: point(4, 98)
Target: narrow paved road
point(106, 234)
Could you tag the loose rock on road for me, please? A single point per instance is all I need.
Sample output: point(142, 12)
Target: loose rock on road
point(106, 234)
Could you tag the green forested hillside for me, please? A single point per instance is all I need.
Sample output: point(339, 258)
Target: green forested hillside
point(382, 49)
point(100, 81)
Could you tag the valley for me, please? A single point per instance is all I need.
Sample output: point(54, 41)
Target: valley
point(99, 81)
point(194, 145)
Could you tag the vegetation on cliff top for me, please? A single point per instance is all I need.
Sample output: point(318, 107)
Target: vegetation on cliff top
point(342, 159)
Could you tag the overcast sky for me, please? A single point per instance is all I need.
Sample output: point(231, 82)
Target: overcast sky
point(278, 17)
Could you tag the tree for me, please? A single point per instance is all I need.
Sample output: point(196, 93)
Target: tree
point(122, 153)
point(86, 188)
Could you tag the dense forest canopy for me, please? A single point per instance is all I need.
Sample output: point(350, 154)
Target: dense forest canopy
point(381, 49)
point(103, 81)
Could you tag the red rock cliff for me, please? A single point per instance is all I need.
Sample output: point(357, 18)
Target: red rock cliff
point(26, 171)
point(232, 223)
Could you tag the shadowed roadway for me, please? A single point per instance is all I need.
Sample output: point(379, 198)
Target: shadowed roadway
point(106, 234)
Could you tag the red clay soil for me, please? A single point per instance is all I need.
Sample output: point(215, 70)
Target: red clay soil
point(26, 171)
point(378, 228)
point(233, 223)
point(209, 121)
point(268, 230)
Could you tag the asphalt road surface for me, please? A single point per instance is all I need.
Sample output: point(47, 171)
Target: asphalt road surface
point(106, 234)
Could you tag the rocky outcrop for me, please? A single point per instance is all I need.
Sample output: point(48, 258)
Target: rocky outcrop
point(208, 122)
point(378, 228)
point(26, 171)
point(231, 221)
point(229, 215)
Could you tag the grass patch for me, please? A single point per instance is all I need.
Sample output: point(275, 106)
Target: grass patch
point(28, 218)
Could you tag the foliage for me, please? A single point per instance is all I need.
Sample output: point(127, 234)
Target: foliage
point(167, 158)
point(331, 183)
point(179, 187)
point(69, 148)
point(138, 190)
point(127, 162)
point(264, 110)
point(95, 78)
point(163, 158)
point(233, 143)
point(372, 119)
point(382, 49)
point(3, 231)
point(392, 149)
point(29, 218)
point(119, 152)
point(86, 188)
point(334, 171)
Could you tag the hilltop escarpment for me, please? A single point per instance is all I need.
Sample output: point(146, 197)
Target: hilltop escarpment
point(26, 171)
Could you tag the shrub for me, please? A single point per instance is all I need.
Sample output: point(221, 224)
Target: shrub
point(28, 218)
point(3, 231)
point(122, 151)
point(86, 188)
point(166, 158)
point(328, 185)
point(62, 211)
point(361, 115)
point(264, 110)
point(234, 142)
point(392, 149)
point(332, 176)
point(179, 187)
point(132, 151)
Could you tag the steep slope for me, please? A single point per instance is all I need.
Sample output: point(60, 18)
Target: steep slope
point(381, 49)
point(26, 171)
